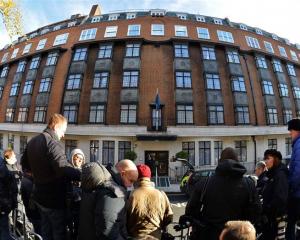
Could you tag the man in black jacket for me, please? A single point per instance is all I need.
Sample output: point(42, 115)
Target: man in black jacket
point(228, 196)
point(45, 158)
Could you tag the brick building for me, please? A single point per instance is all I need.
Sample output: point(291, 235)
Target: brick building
point(220, 84)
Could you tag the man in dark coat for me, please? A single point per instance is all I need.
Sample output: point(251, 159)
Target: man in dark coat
point(45, 157)
point(228, 196)
point(102, 207)
point(8, 199)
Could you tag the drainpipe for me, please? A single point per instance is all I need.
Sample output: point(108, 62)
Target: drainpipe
point(255, 155)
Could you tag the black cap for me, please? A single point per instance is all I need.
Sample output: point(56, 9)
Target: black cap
point(273, 153)
point(294, 124)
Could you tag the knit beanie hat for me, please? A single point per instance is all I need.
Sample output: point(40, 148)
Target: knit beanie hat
point(294, 124)
point(229, 153)
point(144, 171)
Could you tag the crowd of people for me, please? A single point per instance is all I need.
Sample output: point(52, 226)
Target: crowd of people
point(74, 199)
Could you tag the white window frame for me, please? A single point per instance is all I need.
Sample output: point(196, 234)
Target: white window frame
point(258, 31)
point(14, 54)
point(159, 32)
point(243, 27)
point(111, 31)
point(130, 15)
point(61, 39)
point(199, 34)
point(134, 26)
point(27, 48)
point(96, 19)
point(181, 16)
point(88, 34)
point(268, 47)
point(41, 44)
point(225, 36)
point(294, 55)
point(275, 37)
point(252, 42)
point(200, 19)
point(218, 21)
point(282, 51)
point(113, 17)
point(180, 28)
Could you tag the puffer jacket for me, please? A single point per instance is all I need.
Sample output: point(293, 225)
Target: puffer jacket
point(102, 207)
point(229, 196)
point(294, 170)
point(148, 211)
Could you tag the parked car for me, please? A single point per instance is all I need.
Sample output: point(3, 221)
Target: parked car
point(195, 177)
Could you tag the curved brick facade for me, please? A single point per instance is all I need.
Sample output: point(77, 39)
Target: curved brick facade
point(218, 81)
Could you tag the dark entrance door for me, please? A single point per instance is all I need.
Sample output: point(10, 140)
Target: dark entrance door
point(159, 159)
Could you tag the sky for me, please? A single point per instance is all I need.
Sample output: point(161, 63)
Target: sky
point(275, 16)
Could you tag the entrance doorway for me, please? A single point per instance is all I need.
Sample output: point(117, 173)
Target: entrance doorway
point(159, 159)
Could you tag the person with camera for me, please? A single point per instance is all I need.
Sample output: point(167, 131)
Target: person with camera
point(225, 196)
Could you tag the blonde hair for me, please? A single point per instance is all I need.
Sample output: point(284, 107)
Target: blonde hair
point(56, 119)
point(239, 230)
point(8, 153)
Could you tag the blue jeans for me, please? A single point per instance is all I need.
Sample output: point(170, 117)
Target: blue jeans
point(4, 227)
point(53, 223)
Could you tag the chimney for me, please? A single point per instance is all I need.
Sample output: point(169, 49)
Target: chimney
point(95, 11)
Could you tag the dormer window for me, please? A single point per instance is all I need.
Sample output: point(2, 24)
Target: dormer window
point(181, 16)
point(243, 27)
point(287, 41)
point(72, 24)
point(200, 18)
point(32, 35)
point(113, 17)
point(258, 31)
point(57, 27)
point(218, 21)
point(45, 30)
point(157, 12)
point(130, 15)
point(96, 19)
point(275, 37)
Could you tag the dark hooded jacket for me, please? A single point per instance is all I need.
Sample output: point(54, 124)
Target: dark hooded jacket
point(102, 208)
point(229, 196)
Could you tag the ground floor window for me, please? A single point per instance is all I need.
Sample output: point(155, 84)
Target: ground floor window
point(23, 143)
point(94, 151)
point(241, 148)
point(70, 145)
point(108, 152)
point(124, 147)
point(218, 147)
point(204, 153)
point(288, 146)
point(189, 147)
point(272, 144)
